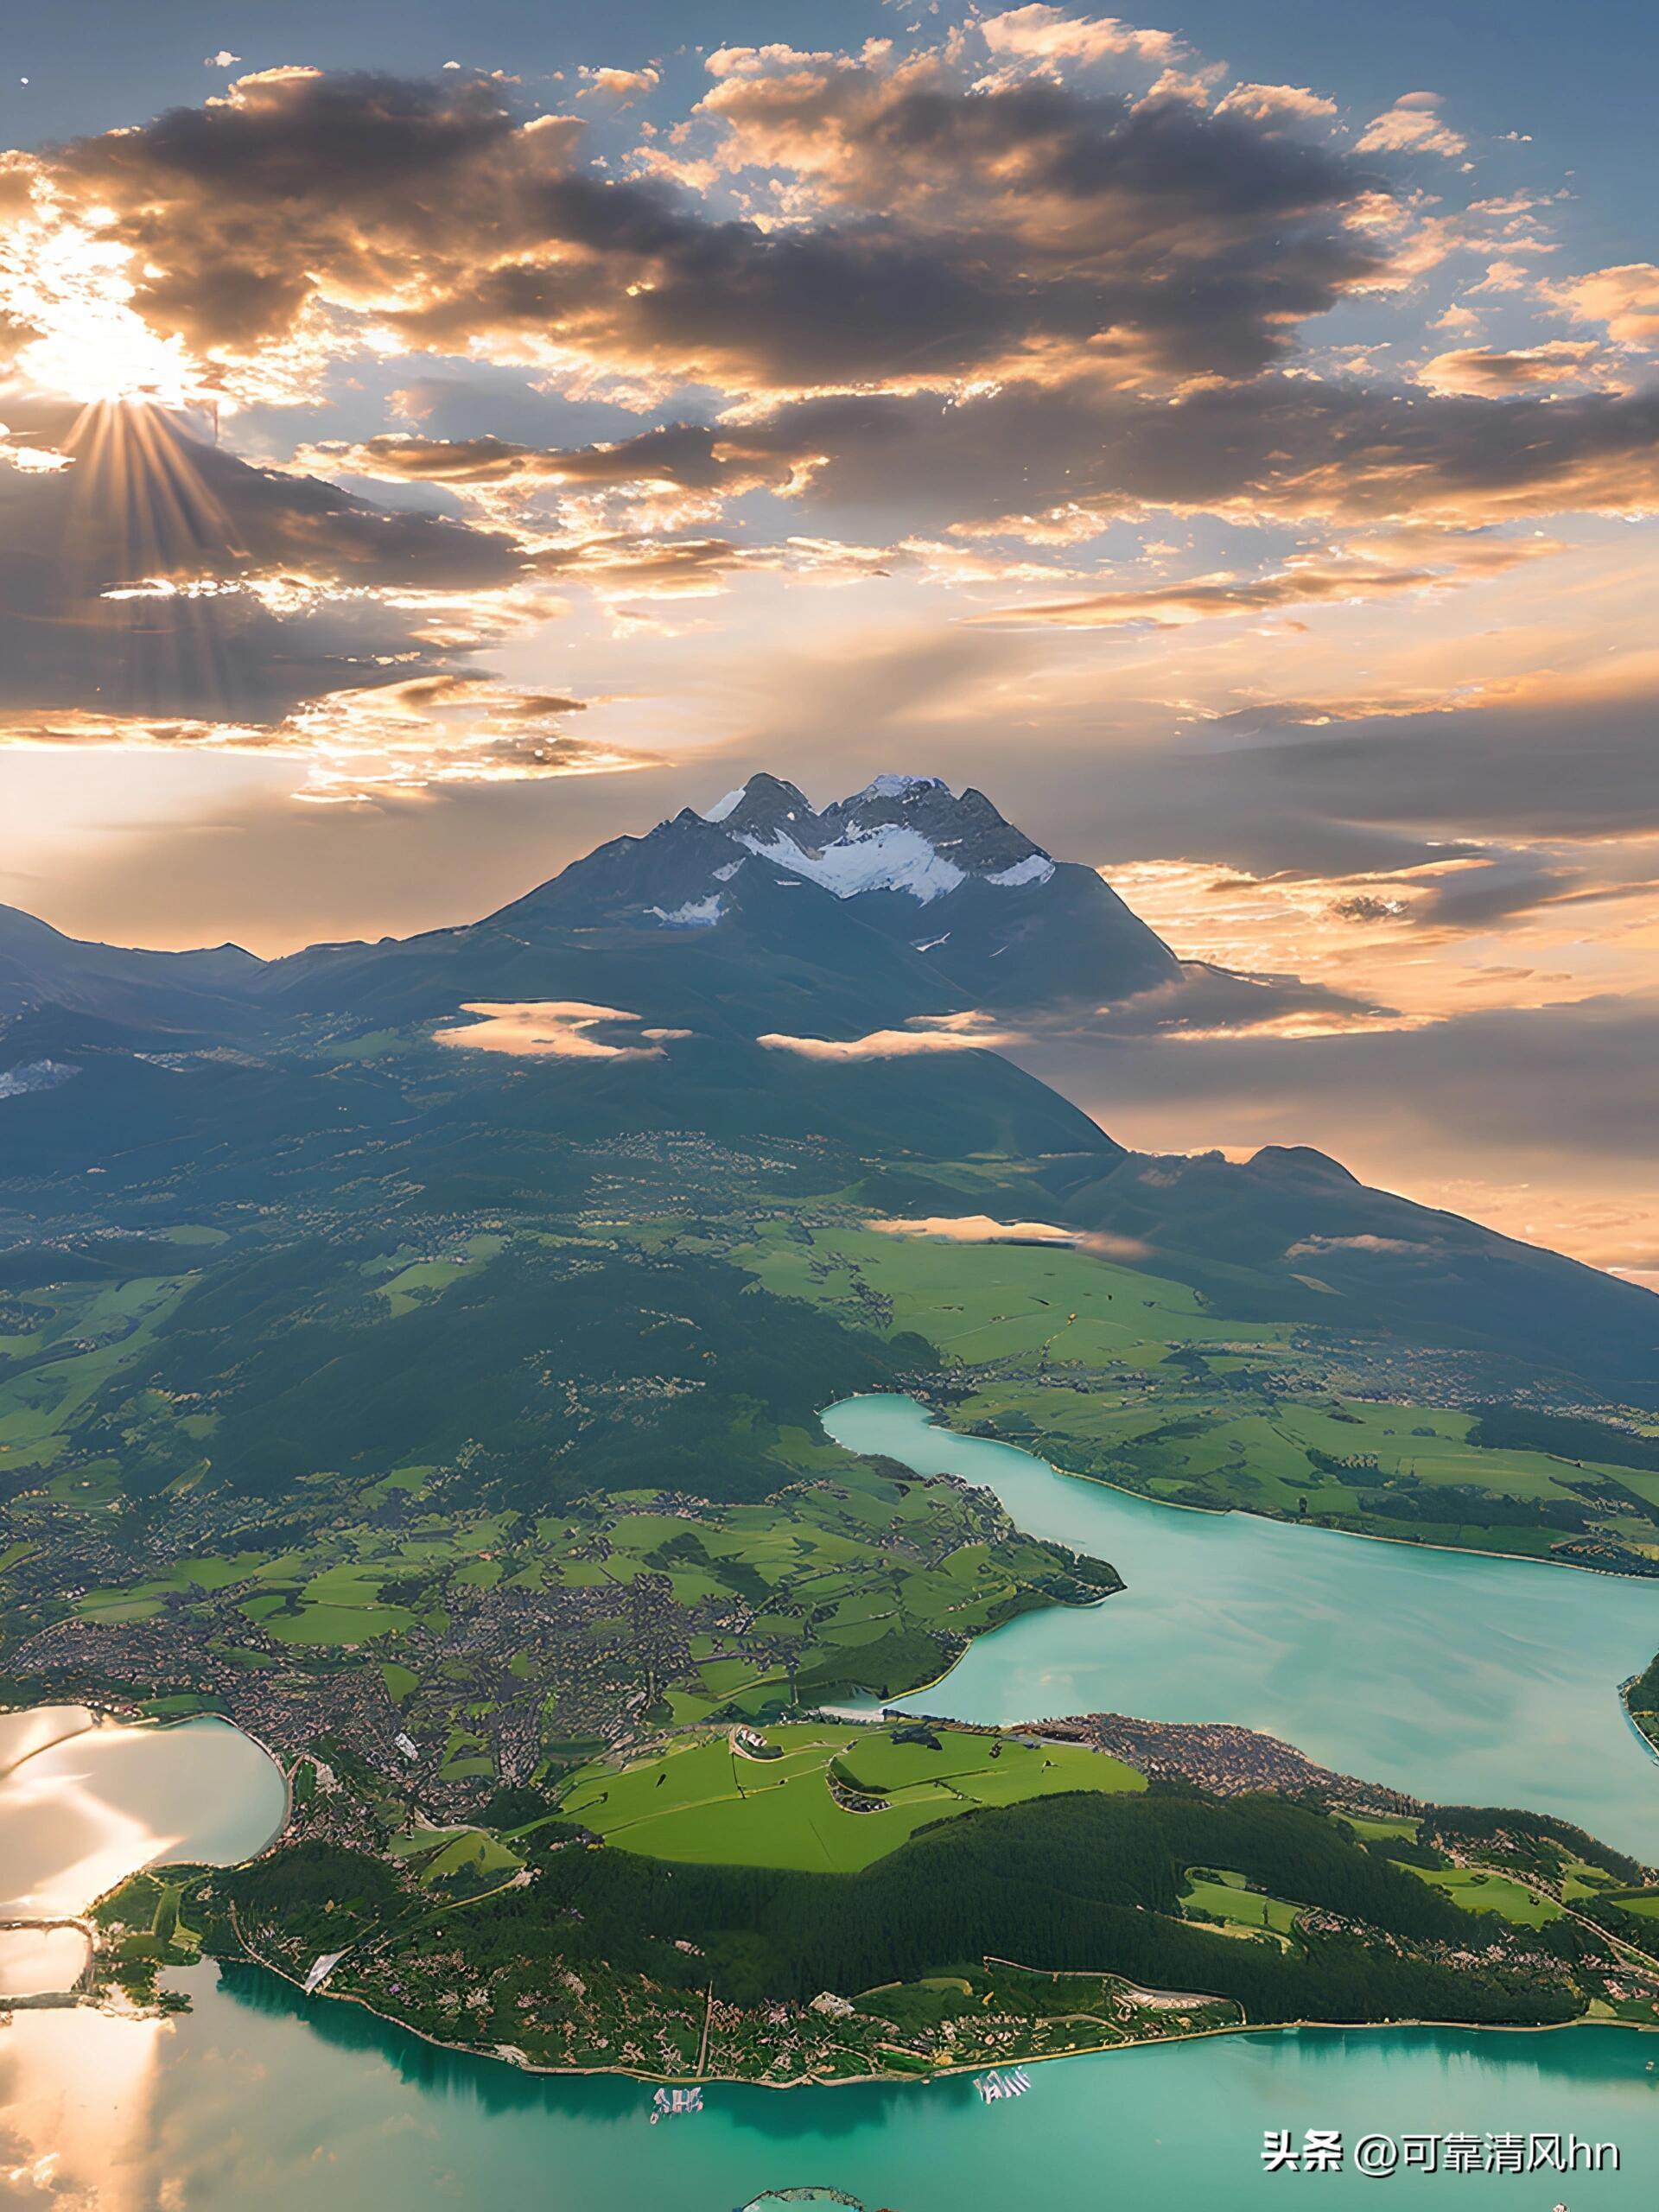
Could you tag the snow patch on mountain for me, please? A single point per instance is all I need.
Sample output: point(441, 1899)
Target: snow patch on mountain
point(901, 786)
point(888, 858)
point(1036, 867)
point(722, 807)
point(37, 1075)
point(695, 914)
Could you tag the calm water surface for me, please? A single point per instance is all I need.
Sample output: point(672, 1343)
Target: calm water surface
point(84, 1801)
point(256, 2102)
point(1465, 1679)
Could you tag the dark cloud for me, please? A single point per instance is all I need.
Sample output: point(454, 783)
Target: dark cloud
point(157, 573)
point(1290, 447)
point(1204, 997)
point(1019, 221)
point(685, 456)
point(1293, 791)
point(1191, 239)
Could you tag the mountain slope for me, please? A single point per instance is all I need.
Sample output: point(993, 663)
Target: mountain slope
point(40, 966)
point(1290, 1231)
point(838, 936)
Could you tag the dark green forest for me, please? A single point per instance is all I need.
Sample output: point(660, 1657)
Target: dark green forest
point(1082, 1882)
point(292, 1352)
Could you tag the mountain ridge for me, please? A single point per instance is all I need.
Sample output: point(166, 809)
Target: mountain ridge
point(793, 969)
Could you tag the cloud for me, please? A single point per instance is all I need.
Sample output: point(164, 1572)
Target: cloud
point(973, 1228)
point(1311, 1246)
point(560, 1029)
point(1142, 238)
point(1454, 558)
point(623, 85)
point(1551, 762)
point(1547, 367)
point(1412, 125)
point(1277, 105)
point(1625, 299)
point(944, 233)
point(1044, 38)
point(395, 738)
point(430, 731)
point(155, 575)
point(1058, 462)
point(678, 457)
point(186, 600)
point(1022, 456)
point(950, 1033)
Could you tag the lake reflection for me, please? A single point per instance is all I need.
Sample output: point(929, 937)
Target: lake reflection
point(97, 1800)
point(257, 2099)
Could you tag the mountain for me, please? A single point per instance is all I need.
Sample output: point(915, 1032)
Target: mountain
point(1291, 1232)
point(39, 966)
point(906, 900)
point(733, 973)
point(940, 874)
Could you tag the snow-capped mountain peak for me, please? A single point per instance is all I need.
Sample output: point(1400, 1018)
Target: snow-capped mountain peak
point(901, 833)
point(881, 858)
point(918, 871)
point(902, 786)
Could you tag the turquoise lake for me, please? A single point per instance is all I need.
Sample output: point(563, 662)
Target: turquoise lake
point(1462, 1678)
point(255, 2101)
point(1452, 1675)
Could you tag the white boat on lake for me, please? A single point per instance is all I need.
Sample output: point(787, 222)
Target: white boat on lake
point(993, 2088)
point(670, 2104)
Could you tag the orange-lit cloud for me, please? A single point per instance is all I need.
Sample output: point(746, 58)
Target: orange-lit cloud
point(1625, 299)
point(1445, 560)
point(560, 1029)
point(1553, 366)
point(948, 1034)
point(1412, 125)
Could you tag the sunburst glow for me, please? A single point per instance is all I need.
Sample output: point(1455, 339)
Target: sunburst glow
point(62, 278)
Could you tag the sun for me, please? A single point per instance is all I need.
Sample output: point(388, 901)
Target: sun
point(64, 278)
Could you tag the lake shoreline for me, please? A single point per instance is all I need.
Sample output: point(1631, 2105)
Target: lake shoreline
point(967, 2068)
point(939, 1418)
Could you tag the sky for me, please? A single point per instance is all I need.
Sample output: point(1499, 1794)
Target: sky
point(438, 438)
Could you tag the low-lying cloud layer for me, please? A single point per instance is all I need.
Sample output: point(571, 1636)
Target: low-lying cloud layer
point(556, 1029)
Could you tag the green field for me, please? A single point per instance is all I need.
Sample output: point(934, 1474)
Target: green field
point(705, 1802)
point(984, 1302)
point(1477, 1891)
point(1126, 1375)
point(1373, 1827)
point(1226, 1895)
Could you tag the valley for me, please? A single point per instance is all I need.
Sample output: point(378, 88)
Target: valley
point(453, 1421)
